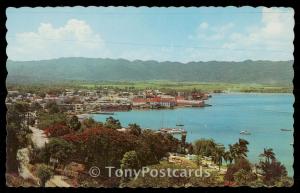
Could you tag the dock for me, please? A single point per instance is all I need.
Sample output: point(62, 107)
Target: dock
point(172, 130)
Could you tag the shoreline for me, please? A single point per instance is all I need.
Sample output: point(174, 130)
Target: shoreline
point(196, 130)
point(262, 93)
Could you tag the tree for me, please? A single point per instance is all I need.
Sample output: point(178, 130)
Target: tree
point(35, 106)
point(243, 147)
point(228, 157)
point(239, 164)
point(57, 130)
point(44, 173)
point(112, 123)
point(22, 107)
point(204, 147)
point(268, 154)
point(74, 123)
point(90, 122)
point(46, 120)
point(232, 153)
point(135, 129)
point(17, 134)
point(218, 155)
point(59, 149)
point(238, 150)
point(52, 107)
point(41, 94)
point(130, 161)
point(243, 177)
point(272, 170)
point(101, 146)
point(157, 145)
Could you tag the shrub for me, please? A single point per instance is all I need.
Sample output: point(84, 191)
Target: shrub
point(57, 130)
point(240, 164)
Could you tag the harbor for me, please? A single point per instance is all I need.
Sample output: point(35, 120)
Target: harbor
point(224, 122)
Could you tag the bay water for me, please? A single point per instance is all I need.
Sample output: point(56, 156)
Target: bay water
point(263, 115)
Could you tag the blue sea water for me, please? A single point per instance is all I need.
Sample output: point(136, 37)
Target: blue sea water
point(263, 115)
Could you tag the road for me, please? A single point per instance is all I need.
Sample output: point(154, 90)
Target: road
point(38, 137)
point(39, 140)
point(57, 181)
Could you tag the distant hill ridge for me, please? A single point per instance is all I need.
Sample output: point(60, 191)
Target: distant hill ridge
point(96, 69)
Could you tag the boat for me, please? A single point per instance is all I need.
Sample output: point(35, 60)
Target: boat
point(245, 132)
point(180, 125)
point(103, 113)
point(106, 113)
point(286, 129)
point(172, 130)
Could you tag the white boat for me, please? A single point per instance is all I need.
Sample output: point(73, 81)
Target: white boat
point(172, 130)
point(245, 132)
point(286, 129)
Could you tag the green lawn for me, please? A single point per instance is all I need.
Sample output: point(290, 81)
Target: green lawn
point(161, 85)
point(181, 86)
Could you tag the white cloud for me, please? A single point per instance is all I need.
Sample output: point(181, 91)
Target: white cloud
point(270, 39)
point(75, 38)
point(203, 25)
point(219, 32)
point(274, 36)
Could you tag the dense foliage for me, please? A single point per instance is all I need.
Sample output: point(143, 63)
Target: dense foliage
point(92, 143)
point(17, 133)
point(87, 69)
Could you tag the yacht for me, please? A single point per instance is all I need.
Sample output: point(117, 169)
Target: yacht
point(245, 132)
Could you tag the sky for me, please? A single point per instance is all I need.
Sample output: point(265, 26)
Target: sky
point(162, 34)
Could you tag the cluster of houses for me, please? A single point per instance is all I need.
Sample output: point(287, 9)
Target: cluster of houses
point(109, 100)
point(157, 99)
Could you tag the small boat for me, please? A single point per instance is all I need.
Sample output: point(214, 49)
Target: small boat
point(103, 113)
point(245, 132)
point(180, 125)
point(286, 129)
point(172, 130)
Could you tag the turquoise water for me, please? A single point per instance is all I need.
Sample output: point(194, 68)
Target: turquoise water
point(261, 114)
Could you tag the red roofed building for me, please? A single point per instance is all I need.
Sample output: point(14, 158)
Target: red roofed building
point(155, 101)
point(139, 102)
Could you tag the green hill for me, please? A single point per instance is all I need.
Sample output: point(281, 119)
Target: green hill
point(89, 69)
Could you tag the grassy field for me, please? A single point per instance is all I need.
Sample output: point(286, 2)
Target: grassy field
point(182, 86)
point(161, 85)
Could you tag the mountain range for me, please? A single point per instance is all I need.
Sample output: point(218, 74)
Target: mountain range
point(97, 69)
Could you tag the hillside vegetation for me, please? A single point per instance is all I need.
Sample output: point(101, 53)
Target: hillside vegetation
point(88, 69)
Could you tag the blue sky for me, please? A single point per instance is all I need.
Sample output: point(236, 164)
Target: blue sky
point(163, 34)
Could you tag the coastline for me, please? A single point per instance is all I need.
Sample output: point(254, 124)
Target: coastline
point(215, 128)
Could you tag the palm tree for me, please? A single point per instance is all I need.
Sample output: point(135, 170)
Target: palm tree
point(228, 157)
point(218, 155)
point(268, 154)
point(241, 149)
point(232, 153)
